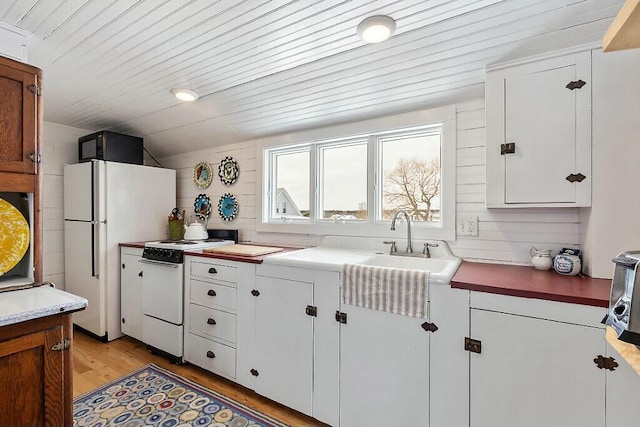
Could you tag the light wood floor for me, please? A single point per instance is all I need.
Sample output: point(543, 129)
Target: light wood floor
point(96, 363)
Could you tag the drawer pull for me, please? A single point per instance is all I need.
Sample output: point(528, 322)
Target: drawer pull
point(255, 292)
point(254, 372)
point(212, 270)
point(211, 293)
point(210, 354)
point(211, 321)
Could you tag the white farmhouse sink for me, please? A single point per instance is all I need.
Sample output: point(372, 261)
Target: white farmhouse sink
point(441, 269)
point(442, 266)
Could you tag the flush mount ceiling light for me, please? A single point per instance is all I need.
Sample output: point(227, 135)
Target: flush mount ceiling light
point(376, 29)
point(184, 94)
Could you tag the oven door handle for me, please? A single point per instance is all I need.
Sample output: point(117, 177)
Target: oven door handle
point(161, 263)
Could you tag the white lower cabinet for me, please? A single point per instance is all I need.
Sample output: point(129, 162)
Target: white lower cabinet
point(294, 359)
point(211, 312)
point(384, 369)
point(623, 389)
point(536, 363)
point(131, 292)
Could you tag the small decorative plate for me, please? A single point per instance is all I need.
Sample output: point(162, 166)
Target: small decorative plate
point(202, 174)
point(202, 206)
point(14, 236)
point(228, 170)
point(228, 207)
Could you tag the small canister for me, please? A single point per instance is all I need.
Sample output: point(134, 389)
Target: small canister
point(567, 262)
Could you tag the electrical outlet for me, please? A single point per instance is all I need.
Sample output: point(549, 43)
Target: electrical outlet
point(468, 226)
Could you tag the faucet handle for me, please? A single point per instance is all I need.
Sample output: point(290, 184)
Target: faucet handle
point(427, 245)
point(393, 246)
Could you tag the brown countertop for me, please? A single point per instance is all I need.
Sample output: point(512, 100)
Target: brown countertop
point(132, 245)
point(527, 282)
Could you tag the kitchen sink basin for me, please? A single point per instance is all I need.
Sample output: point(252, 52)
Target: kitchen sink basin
point(442, 266)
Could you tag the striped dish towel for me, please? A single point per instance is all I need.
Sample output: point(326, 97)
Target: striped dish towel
point(401, 292)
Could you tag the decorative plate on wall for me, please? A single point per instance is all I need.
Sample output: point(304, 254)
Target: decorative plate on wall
point(202, 174)
point(202, 206)
point(228, 207)
point(228, 170)
point(14, 236)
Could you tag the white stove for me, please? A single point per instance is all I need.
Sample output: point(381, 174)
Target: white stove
point(172, 251)
point(163, 290)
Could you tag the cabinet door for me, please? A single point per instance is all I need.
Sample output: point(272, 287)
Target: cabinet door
point(32, 374)
point(623, 389)
point(284, 342)
point(535, 372)
point(131, 293)
point(530, 105)
point(18, 119)
point(384, 370)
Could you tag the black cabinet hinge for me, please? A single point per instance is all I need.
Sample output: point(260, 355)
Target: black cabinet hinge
point(474, 346)
point(508, 148)
point(311, 311)
point(140, 274)
point(575, 177)
point(606, 363)
point(341, 317)
point(576, 84)
point(429, 327)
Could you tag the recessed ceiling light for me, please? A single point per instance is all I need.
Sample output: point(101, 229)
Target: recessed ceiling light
point(376, 29)
point(184, 94)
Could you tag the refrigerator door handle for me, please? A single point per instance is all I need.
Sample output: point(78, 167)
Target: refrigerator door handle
point(94, 190)
point(95, 248)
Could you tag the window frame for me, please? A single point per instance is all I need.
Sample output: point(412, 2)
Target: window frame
point(445, 117)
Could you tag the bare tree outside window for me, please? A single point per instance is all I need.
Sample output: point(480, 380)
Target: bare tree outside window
point(412, 185)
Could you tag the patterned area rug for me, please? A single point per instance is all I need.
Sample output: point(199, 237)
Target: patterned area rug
point(152, 396)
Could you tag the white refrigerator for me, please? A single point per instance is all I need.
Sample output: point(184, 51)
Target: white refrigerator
point(107, 203)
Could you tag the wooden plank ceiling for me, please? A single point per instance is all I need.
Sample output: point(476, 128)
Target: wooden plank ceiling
point(268, 67)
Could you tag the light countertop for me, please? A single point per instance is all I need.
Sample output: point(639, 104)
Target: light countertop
point(28, 304)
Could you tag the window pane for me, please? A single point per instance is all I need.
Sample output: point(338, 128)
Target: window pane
point(344, 182)
point(411, 175)
point(292, 185)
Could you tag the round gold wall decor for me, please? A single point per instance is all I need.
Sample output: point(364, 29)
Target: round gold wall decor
point(14, 236)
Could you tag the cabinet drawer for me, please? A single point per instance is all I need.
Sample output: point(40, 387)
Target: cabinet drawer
point(223, 328)
point(215, 271)
point(212, 294)
point(212, 356)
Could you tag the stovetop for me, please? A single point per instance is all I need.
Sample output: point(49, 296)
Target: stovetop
point(185, 245)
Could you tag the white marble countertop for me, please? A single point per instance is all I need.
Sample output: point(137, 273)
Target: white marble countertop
point(28, 304)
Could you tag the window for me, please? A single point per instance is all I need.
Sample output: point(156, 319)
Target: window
point(363, 179)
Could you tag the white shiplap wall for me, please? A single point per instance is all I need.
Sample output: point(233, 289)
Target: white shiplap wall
point(60, 147)
point(505, 235)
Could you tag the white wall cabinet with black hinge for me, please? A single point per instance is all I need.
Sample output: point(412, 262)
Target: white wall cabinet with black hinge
point(131, 273)
point(538, 132)
point(210, 314)
point(542, 363)
point(288, 339)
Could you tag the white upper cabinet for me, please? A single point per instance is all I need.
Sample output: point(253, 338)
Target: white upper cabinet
point(538, 124)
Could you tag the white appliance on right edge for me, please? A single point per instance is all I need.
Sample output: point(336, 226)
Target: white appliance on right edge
point(106, 203)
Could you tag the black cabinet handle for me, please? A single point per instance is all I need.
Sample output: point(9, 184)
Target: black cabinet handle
point(123, 266)
point(255, 292)
point(140, 274)
point(212, 270)
point(254, 372)
point(211, 293)
point(210, 354)
point(211, 321)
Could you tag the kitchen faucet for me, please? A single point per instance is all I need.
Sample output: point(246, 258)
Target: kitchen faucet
point(408, 218)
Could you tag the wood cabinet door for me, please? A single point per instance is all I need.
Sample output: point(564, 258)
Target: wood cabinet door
point(384, 369)
point(131, 294)
point(534, 372)
point(284, 342)
point(32, 380)
point(18, 120)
